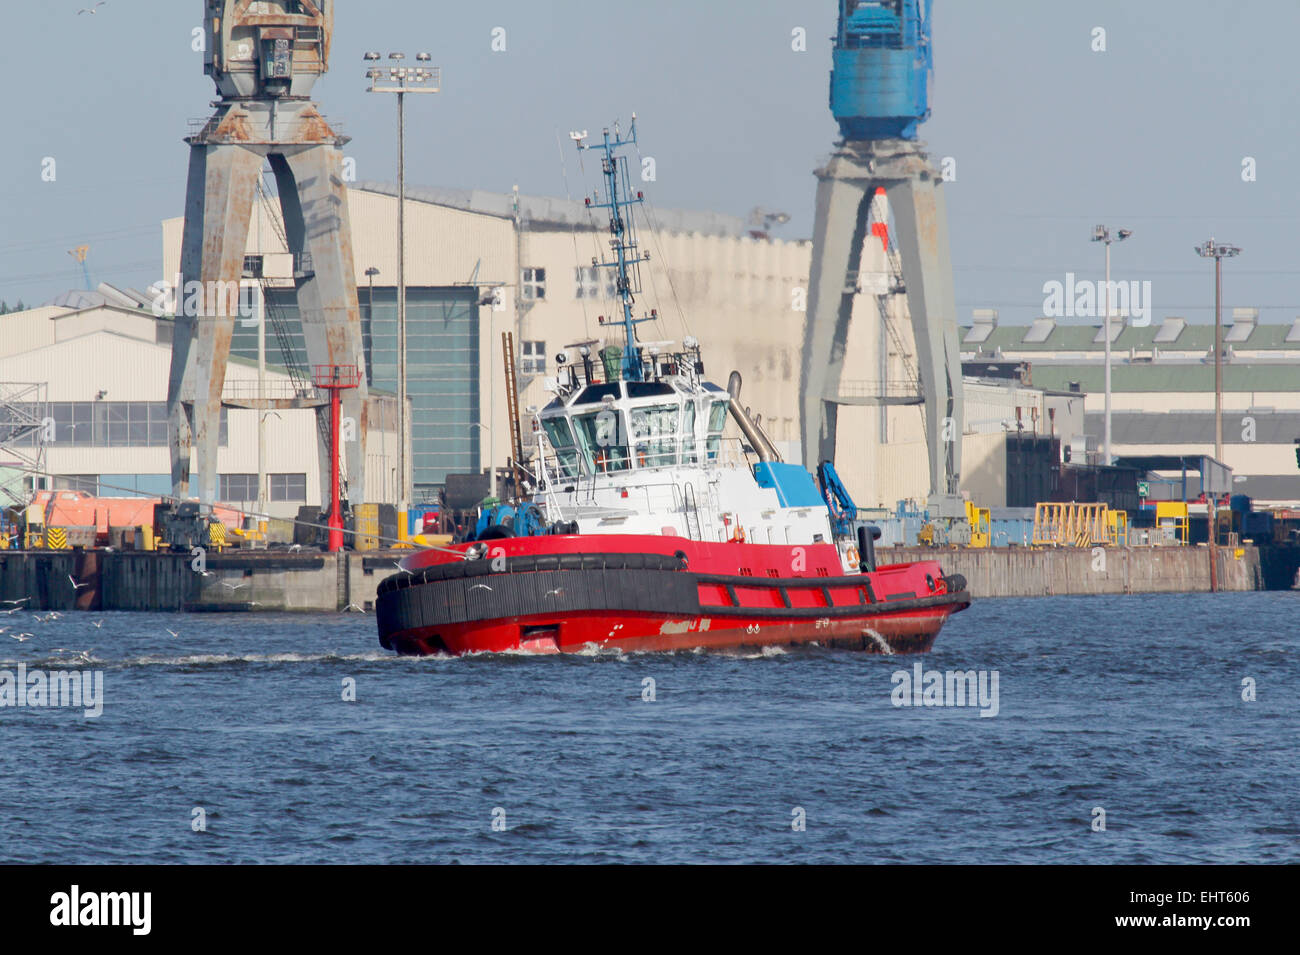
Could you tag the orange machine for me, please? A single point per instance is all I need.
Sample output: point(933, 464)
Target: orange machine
point(80, 509)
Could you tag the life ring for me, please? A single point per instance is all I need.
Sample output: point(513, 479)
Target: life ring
point(853, 556)
point(738, 535)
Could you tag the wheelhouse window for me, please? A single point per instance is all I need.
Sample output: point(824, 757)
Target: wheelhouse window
point(717, 421)
point(654, 435)
point(689, 455)
point(604, 446)
point(560, 435)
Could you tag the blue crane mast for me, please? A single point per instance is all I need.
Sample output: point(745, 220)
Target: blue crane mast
point(880, 81)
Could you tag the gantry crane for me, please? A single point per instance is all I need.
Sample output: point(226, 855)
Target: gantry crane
point(879, 95)
point(264, 58)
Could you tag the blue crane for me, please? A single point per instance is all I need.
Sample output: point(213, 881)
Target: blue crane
point(881, 68)
point(881, 73)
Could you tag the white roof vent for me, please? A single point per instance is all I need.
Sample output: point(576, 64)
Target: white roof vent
point(1118, 319)
point(1039, 330)
point(1244, 321)
point(1171, 328)
point(985, 320)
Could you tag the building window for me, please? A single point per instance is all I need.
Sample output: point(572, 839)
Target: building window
point(287, 487)
point(253, 266)
point(237, 487)
point(592, 284)
point(111, 424)
point(533, 358)
point(534, 285)
point(77, 482)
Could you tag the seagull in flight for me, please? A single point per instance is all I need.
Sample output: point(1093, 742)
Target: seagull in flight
point(75, 585)
point(171, 631)
point(20, 600)
point(96, 624)
point(92, 10)
point(477, 586)
point(228, 584)
point(20, 637)
point(295, 548)
point(353, 607)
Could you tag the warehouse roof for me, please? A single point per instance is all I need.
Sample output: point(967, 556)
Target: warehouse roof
point(543, 212)
point(1167, 376)
point(1173, 334)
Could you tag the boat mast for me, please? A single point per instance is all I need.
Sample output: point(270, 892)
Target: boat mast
point(623, 244)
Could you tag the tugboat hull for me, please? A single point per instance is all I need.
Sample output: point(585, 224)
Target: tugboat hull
point(544, 595)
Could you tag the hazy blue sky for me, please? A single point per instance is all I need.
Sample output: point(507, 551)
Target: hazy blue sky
point(1049, 136)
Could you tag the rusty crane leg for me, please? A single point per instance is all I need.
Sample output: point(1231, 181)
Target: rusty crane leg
point(218, 206)
point(315, 204)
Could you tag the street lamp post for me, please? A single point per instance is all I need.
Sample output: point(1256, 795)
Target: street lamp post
point(402, 80)
point(1102, 234)
point(1209, 250)
point(492, 468)
point(371, 272)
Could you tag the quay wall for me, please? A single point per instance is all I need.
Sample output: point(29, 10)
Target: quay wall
point(315, 581)
point(1026, 572)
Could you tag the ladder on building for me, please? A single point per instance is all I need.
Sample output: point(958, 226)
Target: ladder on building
point(512, 403)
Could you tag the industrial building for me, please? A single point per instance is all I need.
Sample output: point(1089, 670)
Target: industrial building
point(1162, 391)
point(84, 399)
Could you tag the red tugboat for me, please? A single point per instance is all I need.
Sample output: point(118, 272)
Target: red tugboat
point(648, 530)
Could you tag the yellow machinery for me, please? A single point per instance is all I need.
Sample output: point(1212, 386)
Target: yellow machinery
point(1119, 528)
point(216, 535)
point(1073, 525)
point(1171, 522)
point(980, 521)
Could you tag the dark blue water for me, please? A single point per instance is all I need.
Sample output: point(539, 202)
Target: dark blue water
point(1129, 704)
